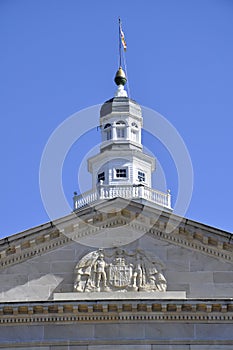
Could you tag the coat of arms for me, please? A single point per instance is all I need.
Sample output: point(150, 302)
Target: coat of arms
point(119, 270)
point(120, 274)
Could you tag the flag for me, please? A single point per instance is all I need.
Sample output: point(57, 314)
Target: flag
point(122, 35)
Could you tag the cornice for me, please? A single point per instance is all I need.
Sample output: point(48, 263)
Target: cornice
point(187, 234)
point(181, 311)
point(30, 248)
point(196, 241)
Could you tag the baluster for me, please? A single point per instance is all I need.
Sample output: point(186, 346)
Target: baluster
point(169, 198)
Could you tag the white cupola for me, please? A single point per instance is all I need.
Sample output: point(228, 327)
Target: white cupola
point(121, 160)
point(121, 168)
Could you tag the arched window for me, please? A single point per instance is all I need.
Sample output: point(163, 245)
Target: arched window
point(108, 131)
point(134, 132)
point(120, 129)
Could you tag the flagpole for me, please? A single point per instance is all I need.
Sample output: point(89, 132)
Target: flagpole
point(120, 42)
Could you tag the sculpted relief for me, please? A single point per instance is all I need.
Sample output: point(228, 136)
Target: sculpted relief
point(119, 270)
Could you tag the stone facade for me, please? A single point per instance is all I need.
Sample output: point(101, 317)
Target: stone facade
point(185, 270)
point(41, 309)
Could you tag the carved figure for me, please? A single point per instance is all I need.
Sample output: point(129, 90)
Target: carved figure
point(99, 268)
point(137, 274)
point(119, 270)
point(83, 271)
point(161, 282)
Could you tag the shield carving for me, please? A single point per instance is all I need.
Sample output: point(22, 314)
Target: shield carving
point(120, 274)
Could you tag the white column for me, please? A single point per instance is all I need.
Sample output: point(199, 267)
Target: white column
point(114, 133)
point(139, 136)
point(169, 198)
point(128, 132)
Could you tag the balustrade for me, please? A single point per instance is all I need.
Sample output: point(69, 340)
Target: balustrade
point(123, 191)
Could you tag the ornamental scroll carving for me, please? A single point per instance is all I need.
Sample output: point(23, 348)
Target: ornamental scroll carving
point(119, 270)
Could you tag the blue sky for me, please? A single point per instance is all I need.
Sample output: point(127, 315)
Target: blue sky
point(58, 57)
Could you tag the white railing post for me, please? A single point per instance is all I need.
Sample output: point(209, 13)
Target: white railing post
point(100, 189)
point(125, 191)
point(169, 199)
point(141, 191)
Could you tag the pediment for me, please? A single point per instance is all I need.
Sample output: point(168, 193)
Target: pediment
point(109, 225)
point(192, 258)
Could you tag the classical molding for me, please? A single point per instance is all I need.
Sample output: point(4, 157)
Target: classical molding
point(217, 310)
point(28, 249)
point(196, 241)
point(72, 344)
point(46, 239)
point(93, 296)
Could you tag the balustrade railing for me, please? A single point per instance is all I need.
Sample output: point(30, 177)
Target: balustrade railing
point(123, 191)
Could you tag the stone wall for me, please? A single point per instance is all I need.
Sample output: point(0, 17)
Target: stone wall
point(197, 273)
point(140, 336)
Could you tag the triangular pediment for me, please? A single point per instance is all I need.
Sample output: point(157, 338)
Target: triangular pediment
point(42, 261)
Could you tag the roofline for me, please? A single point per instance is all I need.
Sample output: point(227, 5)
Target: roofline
point(97, 206)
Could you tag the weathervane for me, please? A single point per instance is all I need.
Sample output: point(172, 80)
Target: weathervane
point(122, 42)
point(121, 77)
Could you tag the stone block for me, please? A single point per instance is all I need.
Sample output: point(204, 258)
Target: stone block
point(131, 331)
point(223, 277)
point(80, 251)
point(170, 347)
point(68, 347)
point(178, 287)
point(43, 287)
point(45, 280)
point(175, 252)
point(60, 254)
point(212, 290)
point(69, 331)
point(34, 265)
point(28, 348)
point(8, 282)
point(64, 288)
point(176, 265)
point(202, 262)
point(150, 244)
point(201, 291)
point(169, 331)
point(61, 267)
point(24, 293)
point(119, 347)
point(106, 331)
point(67, 278)
point(223, 290)
point(214, 331)
point(13, 334)
point(211, 347)
point(189, 277)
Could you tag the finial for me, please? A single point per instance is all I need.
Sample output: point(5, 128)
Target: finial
point(120, 77)
point(120, 80)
